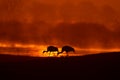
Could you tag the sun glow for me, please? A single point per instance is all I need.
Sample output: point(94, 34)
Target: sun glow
point(26, 50)
point(37, 50)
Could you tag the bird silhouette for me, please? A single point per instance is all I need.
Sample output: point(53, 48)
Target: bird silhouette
point(51, 49)
point(66, 49)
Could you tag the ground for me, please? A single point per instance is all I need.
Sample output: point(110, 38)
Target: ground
point(97, 65)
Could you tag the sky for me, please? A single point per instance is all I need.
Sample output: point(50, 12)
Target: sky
point(80, 23)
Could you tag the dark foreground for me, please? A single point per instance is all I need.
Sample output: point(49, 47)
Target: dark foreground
point(99, 65)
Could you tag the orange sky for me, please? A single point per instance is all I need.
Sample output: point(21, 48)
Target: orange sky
point(58, 22)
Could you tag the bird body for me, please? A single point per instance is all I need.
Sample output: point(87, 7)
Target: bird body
point(51, 49)
point(67, 49)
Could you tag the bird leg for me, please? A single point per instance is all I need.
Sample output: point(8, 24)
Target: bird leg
point(67, 54)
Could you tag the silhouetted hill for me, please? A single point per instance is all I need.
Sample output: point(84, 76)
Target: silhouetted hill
point(97, 65)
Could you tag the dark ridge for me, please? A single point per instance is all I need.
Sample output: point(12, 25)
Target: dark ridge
point(21, 58)
point(96, 65)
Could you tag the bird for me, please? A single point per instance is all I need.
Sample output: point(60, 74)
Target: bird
point(66, 49)
point(51, 49)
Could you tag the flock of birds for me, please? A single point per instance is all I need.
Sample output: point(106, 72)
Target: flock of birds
point(55, 49)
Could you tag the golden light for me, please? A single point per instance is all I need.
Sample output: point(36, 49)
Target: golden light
point(37, 50)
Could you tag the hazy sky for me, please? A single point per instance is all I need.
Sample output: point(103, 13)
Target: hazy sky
point(74, 22)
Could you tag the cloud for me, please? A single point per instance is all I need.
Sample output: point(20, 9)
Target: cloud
point(85, 35)
point(83, 25)
point(17, 32)
point(33, 10)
